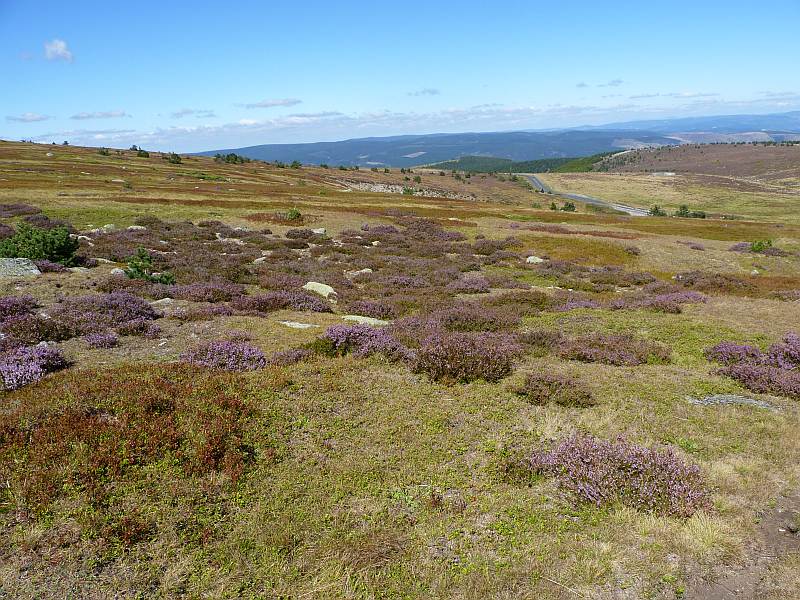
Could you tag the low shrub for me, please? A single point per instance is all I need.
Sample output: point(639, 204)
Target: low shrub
point(465, 357)
point(469, 285)
point(546, 339)
point(103, 339)
point(542, 388)
point(202, 313)
point(140, 327)
point(363, 340)
point(48, 266)
point(27, 365)
point(373, 308)
point(715, 283)
point(226, 355)
point(54, 245)
point(613, 349)
point(17, 209)
point(14, 306)
point(284, 358)
point(272, 301)
point(207, 292)
point(470, 317)
point(604, 473)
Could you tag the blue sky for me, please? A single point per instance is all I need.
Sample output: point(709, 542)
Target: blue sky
point(195, 76)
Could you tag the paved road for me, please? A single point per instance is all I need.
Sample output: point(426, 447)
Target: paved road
point(541, 186)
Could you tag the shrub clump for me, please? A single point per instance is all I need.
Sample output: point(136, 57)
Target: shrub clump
point(14, 306)
point(614, 349)
point(272, 301)
point(284, 358)
point(465, 357)
point(22, 366)
point(604, 473)
point(55, 244)
point(363, 341)
point(774, 371)
point(226, 355)
point(103, 339)
point(542, 388)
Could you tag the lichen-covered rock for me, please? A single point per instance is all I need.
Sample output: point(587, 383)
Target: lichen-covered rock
point(18, 267)
point(321, 289)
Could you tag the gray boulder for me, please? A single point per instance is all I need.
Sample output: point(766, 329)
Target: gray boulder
point(18, 267)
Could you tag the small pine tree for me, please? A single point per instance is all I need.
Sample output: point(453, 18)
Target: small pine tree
point(140, 266)
point(55, 244)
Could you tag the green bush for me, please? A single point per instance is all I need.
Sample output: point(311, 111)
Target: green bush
point(142, 153)
point(657, 211)
point(760, 245)
point(54, 245)
point(140, 266)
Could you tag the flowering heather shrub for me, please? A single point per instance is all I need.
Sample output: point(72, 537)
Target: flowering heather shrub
point(527, 302)
point(541, 338)
point(469, 285)
point(617, 277)
point(280, 281)
point(373, 308)
point(497, 280)
point(487, 247)
point(692, 245)
point(363, 341)
point(90, 313)
point(29, 329)
point(284, 358)
point(541, 388)
point(48, 266)
point(17, 209)
point(14, 306)
point(207, 292)
point(380, 229)
point(604, 473)
point(669, 302)
point(44, 222)
point(404, 281)
point(728, 353)
point(471, 317)
point(787, 295)
point(764, 378)
point(465, 357)
point(105, 339)
point(6, 231)
point(614, 349)
point(272, 301)
point(140, 327)
point(711, 283)
point(740, 247)
point(226, 355)
point(23, 366)
point(426, 229)
point(202, 313)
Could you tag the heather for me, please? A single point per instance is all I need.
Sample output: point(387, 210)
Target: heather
point(272, 301)
point(604, 473)
point(27, 365)
point(14, 306)
point(465, 357)
point(613, 349)
point(774, 371)
point(564, 390)
point(226, 355)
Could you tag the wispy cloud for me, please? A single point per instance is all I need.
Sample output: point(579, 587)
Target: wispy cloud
point(425, 92)
point(612, 83)
point(57, 50)
point(200, 113)
point(105, 114)
point(779, 94)
point(687, 95)
point(582, 84)
point(27, 117)
point(273, 103)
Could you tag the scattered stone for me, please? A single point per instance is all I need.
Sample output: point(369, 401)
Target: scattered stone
point(79, 269)
point(162, 302)
point(104, 261)
point(729, 400)
point(136, 227)
point(361, 320)
point(117, 272)
point(322, 289)
point(48, 154)
point(18, 267)
point(117, 181)
point(236, 241)
point(376, 243)
point(352, 274)
point(534, 260)
point(319, 231)
point(260, 260)
point(297, 325)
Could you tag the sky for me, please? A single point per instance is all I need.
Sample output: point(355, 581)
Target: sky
point(192, 76)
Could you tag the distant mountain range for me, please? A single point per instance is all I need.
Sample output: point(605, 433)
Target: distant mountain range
point(414, 150)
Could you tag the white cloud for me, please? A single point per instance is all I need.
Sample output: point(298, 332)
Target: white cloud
point(200, 113)
point(273, 103)
point(108, 114)
point(425, 92)
point(612, 83)
point(57, 50)
point(675, 95)
point(582, 84)
point(27, 117)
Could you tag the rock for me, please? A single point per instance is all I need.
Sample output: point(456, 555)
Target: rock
point(361, 320)
point(376, 243)
point(83, 238)
point(320, 288)
point(117, 181)
point(79, 269)
point(260, 260)
point(236, 241)
point(297, 325)
point(18, 267)
point(117, 272)
point(534, 260)
point(104, 261)
point(754, 272)
point(352, 274)
point(728, 400)
point(319, 231)
point(48, 154)
point(162, 302)
point(136, 227)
